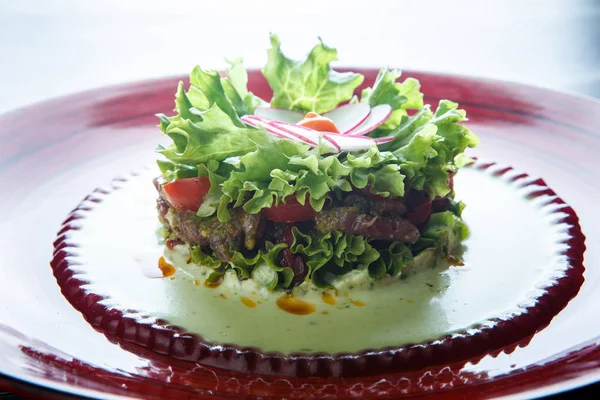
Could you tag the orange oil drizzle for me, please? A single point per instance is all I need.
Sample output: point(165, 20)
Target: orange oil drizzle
point(166, 268)
point(248, 302)
point(328, 298)
point(295, 306)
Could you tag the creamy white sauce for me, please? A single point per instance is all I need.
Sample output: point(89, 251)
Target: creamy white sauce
point(511, 256)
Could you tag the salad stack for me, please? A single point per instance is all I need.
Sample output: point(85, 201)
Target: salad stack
point(316, 183)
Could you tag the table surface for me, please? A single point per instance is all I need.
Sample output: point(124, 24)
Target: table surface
point(54, 48)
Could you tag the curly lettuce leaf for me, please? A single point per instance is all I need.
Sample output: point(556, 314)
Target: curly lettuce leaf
point(236, 89)
point(173, 171)
point(209, 83)
point(429, 146)
point(262, 266)
point(282, 168)
point(309, 84)
point(332, 254)
point(378, 169)
point(208, 135)
point(207, 260)
point(207, 125)
point(401, 96)
point(447, 230)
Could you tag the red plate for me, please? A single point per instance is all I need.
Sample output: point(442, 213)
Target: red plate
point(55, 153)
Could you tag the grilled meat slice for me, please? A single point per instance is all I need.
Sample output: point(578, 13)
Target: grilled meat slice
point(369, 203)
point(350, 220)
point(224, 238)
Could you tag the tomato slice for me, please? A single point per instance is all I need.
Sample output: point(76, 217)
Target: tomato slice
point(291, 211)
point(187, 193)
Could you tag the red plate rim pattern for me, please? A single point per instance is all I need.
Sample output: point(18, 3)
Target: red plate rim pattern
point(172, 340)
point(568, 369)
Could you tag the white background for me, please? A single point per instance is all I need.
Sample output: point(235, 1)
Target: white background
point(52, 48)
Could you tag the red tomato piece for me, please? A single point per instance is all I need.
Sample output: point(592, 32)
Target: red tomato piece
point(187, 193)
point(291, 211)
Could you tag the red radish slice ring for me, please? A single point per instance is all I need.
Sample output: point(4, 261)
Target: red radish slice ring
point(333, 143)
point(278, 114)
point(256, 122)
point(386, 139)
point(362, 137)
point(279, 129)
point(307, 133)
point(343, 142)
point(337, 142)
point(349, 116)
point(379, 114)
point(250, 120)
point(304, 131)
point(351, 143)
point(300, 136)
point(310, 131)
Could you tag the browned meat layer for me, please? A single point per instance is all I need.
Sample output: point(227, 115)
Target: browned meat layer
point(243, 231)
point(350, 220)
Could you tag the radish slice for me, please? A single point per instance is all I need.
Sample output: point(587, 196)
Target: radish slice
point(281, 130)
point(379, 114)
point(332, 142)
point(256, 122)
point(386, 139)
point(278, 114)
point(303, 136)
point(250, 120)
point(309, 134)
point(351, 143)
point(341, 141)
point(362, 137)
point(349, 116)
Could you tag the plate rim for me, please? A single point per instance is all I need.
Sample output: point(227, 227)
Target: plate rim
point(591, 375)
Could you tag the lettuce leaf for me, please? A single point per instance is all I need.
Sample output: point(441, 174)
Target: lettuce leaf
point(309, 84)
point(283, 168)
point(447, 230)
point(378, 169)
point(429, 146)
point(261, 266)
point(329, 255)
point(173, 171)
point(236, 89)
point(401, 96)
point(208, 135)
point(207, 125)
